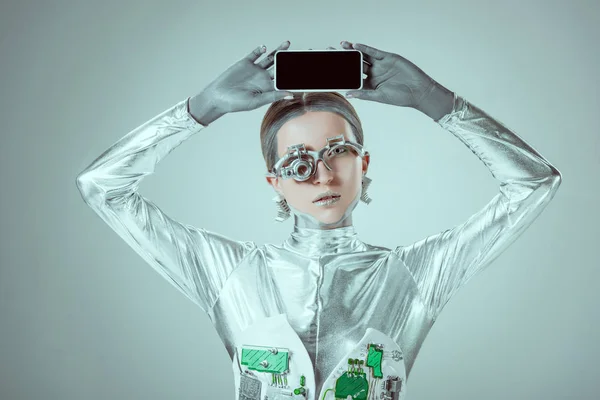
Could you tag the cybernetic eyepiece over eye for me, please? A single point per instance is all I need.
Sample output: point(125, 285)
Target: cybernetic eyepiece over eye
point(300, 164)
point(301, 170)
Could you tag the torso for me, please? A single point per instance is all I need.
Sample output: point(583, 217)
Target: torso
point(328, 300)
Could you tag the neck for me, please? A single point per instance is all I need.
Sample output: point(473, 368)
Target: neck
point(301, 221)
point(312, 242)
point(312, 237)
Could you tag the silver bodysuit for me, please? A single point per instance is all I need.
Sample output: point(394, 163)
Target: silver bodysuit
point(322, 300)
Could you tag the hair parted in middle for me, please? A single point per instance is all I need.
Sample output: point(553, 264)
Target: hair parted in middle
point(281, 111)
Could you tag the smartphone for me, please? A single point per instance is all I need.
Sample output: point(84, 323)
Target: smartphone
point(318, 70)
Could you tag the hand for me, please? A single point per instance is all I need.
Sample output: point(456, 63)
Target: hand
point(244, 86)
point(391, 79)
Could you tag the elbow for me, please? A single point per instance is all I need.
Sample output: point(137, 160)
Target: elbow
point(551, 182)
point(555, 178)
point(81, 182)
point(88, 189)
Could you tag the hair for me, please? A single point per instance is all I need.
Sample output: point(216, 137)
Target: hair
point(282, 111)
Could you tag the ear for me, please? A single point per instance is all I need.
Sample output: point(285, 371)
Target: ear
point(365, 162)
point(275, 183)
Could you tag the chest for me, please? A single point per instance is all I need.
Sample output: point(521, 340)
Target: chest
point(329, 303)
point(329, 293)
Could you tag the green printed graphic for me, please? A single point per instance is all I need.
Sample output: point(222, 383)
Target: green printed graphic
point(374, 360)
point(264, 359)
point(354, 385)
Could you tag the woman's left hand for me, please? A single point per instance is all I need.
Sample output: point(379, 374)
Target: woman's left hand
point(391, 79)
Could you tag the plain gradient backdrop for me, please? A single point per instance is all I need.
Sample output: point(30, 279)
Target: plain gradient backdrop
point(83, 317)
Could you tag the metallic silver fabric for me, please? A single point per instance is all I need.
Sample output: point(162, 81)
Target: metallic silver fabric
point(322, 293)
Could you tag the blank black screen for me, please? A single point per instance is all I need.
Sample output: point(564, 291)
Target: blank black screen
point(318, 70)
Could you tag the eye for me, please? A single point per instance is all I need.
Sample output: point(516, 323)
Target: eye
point(338, 150)
point(302, 170)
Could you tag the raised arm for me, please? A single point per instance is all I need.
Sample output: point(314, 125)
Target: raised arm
point(194, 260)
point(441, 263)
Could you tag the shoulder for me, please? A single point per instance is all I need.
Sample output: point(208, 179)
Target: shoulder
point(371, 247)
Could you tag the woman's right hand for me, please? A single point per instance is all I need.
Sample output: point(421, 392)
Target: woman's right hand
point(244, 86)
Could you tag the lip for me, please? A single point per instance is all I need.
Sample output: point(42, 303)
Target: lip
point(327, 202)
point(327, 196)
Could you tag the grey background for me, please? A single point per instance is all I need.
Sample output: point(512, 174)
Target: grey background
point(83, 317)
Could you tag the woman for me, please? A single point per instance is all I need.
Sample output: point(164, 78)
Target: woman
point(323, 315)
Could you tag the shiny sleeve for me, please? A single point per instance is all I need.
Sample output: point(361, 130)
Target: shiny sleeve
point(440, 264)
point(197, 262)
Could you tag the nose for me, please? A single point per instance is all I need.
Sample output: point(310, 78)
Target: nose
point(322, 174)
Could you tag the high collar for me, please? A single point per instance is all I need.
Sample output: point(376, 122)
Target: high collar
point(311, 242)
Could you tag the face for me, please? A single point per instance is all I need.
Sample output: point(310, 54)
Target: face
point(313, 129)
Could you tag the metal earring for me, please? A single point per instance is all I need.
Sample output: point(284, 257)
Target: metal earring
point(364, 196)
point(283, 210)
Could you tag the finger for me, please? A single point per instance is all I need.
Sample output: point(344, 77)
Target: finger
point(270, 58)
point(256, 53)
point(362, 94)
point(366, 61)
point(271, 72)
point(366, 68)
point(370, 51)
point(348, 46)
point(272, 96)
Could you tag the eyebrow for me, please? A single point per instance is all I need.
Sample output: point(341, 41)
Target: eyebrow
point(308, 147)
point(311, 148)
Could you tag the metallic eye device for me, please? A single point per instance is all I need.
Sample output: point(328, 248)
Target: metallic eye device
point(300, 164)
